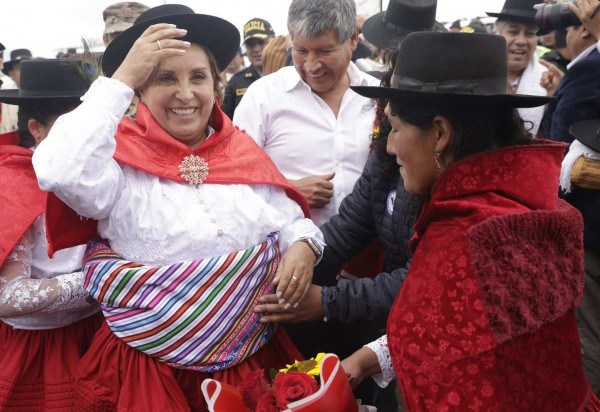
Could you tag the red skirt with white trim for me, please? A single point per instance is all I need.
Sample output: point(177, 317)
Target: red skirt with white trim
point(114, 376)
point(38, 367)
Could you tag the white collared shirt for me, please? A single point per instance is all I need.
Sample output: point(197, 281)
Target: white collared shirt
point(303, 136)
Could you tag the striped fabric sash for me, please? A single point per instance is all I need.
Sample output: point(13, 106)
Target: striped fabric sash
point(194, 315)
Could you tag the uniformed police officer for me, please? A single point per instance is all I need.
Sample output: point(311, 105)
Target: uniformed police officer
point(257, 33)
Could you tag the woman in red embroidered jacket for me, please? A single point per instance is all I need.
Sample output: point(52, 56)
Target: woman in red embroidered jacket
point(485, 319)
point(195, 215)
point(47, 318)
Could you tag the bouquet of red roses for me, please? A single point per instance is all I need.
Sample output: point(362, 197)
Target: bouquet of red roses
point(294, 389)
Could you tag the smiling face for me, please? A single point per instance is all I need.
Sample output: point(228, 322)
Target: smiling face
point(322, 62)
point(521, 41)
point(415, 150)
point(180, 95)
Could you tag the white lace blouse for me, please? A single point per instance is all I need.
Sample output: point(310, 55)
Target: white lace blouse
point(37, 292)
point(146, 218)
point(381, 349)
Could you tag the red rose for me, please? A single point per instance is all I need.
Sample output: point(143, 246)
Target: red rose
point(292, 386)
point(253, 386)
point(267, 403)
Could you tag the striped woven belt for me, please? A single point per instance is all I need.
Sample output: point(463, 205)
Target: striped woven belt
point(193, 315)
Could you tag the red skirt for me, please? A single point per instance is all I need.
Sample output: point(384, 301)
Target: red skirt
point(114, 376)
point(38, 367)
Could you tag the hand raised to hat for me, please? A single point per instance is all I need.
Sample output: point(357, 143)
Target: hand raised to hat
point(588, 12)
point(157, 43)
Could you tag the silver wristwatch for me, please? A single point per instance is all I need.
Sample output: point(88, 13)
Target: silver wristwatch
point(309, 240)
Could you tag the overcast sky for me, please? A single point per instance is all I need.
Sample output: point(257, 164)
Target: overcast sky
point(46, 27)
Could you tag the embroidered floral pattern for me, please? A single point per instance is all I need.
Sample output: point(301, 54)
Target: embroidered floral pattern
point(72, 295)
point(26, 296)
point(22, 294)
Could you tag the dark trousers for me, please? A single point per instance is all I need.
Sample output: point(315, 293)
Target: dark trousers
point(588, 318)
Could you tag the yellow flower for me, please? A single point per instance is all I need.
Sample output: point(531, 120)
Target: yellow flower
point(310, 366)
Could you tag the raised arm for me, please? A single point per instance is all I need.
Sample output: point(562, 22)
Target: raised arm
point(76, 160)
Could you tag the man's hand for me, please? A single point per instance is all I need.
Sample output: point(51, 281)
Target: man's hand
point(318, 190)
point(551, 78)
point(588, 12)
point(310, 308)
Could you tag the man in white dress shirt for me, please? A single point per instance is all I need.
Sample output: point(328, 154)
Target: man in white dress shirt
point(314, 127)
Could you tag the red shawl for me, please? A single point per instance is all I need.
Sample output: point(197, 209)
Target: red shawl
point(232, 157)
point(485, 320)
point(21, 200)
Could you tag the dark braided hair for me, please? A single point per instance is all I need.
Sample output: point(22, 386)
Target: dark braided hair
point(387, 162)
point(43, 112)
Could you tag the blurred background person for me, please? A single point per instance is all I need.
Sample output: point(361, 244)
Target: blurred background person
point(560, 55)
point(274, 54)
point(455, 26)
point(235, 66)
point(516, 23)
point(12, 69)
point(257, 34)
point(119, 17)
point(577, 99)
point(2, 48)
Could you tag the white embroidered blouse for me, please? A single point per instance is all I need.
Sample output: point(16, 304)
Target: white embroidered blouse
point(37, 292)
point(147, 218)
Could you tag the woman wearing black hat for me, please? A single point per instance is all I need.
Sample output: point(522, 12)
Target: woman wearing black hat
point(194, 214)
point(485, 319)
point(47, 320)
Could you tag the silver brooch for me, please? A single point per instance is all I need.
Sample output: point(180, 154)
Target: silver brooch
point(193, 169)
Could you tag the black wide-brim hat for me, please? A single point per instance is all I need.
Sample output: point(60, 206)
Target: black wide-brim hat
point(219, 36)
point(520, 11)
point(16, 56)
point(402, 17)
point(457, 68)
point(49, 79)
point(588, 133)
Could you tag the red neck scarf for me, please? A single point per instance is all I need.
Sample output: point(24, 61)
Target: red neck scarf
point(21, 200)
point(232, 158)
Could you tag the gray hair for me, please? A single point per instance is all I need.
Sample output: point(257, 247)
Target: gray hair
point(312, 18)
point(499, 25)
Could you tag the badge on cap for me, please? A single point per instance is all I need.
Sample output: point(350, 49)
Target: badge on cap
point(258, 28)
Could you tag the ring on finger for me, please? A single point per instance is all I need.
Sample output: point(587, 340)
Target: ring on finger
point(296, 279)
point(158, 43)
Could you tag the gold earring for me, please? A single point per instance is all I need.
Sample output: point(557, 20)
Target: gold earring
point(438, 160)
